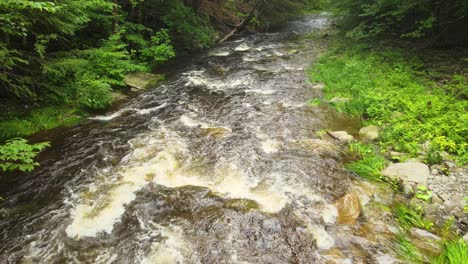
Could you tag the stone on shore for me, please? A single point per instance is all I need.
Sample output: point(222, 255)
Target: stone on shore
point(412, 172)
point(342, 136)
point(369, 133)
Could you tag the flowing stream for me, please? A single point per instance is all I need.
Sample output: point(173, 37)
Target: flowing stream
point(220, 164)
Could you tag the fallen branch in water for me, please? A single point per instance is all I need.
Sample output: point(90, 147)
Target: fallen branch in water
point(243, 23)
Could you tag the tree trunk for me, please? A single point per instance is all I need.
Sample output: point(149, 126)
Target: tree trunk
point(115, 19)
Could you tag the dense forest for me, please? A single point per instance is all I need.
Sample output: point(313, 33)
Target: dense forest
point(395, 69)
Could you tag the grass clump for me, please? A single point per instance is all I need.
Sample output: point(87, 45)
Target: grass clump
point(408, 217)
point(369, 168)
point(387, 89)
point(454, 252)
point(37, 120)
point(369, 163)
point(408, 251)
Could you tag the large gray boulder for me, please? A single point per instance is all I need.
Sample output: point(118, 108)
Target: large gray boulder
point(411, 172)
point(369, 133)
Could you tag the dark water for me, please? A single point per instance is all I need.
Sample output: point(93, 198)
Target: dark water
point(220, 164)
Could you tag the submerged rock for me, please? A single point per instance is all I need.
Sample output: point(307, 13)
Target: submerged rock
point(339, 100)
point(349, 209)
point(369, 133)
point(142, 80)
point(216, 132)
point(342, 136)
point(413, 172)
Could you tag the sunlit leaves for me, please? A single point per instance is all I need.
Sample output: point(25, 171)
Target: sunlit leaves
point(18, 154)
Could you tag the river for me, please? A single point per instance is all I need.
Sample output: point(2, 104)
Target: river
point(222, 163)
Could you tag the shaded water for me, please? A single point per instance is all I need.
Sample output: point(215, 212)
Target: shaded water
point(220, 164)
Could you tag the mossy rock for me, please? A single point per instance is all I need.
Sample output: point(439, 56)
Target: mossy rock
point(243, 205)
point(142, 80)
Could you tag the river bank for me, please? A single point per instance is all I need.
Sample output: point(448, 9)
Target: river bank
point(414, 135)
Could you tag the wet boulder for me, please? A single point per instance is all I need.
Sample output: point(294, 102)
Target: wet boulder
point(142, 80)
point(369, 133)
point(349, 209)
point(408, 172)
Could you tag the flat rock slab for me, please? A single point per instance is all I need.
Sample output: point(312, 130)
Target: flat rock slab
point(413, 172)
point(142, 80)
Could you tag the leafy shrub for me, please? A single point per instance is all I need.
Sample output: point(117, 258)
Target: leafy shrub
point(94, 94)
point(18, 154)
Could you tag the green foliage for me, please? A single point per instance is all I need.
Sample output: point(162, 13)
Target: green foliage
point(423, 193)
point(433, 157)
point(91, 74)
point(17, 154)
point(94, 93)
point(441, 21)
point(409, 217)
point(454, 252)
point(189, 28)
point(158, 49)
point(385, 91)
point(361, 150)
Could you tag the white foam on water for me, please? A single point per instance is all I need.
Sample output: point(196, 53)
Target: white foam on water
point(113, 115)
point(270, 146)
point(155, 158)
point(149, 110)
point(195, 78)
point(189, 121)
point(260, 91)
point(323, 239)
point(242, 47)
point(293, 104)
point(248, 58)
point(174, 248)
point(220, 54)
point(265, 47)
point(230, 182)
